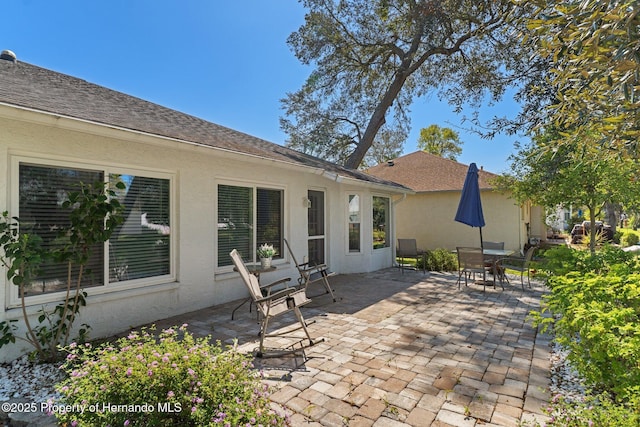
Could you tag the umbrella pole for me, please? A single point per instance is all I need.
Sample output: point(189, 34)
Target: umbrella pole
point(481, 244)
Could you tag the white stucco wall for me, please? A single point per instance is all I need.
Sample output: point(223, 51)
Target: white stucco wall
point(196, 171)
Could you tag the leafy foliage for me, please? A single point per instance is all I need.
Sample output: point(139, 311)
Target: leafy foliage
point(439, 260)
point(562, 260)
point(552, 171)
point(373, 58)
point(595, 300)
point(592, 46)
point(7, 332)
point(165, 379)
point(598, 411)
point(443, 142)
point(586, 134)
point(94, 214)
point(629, 238)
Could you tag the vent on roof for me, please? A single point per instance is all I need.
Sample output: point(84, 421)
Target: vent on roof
point(7, 55)
point(390, 163)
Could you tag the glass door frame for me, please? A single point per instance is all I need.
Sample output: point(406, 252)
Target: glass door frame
point(316, 197)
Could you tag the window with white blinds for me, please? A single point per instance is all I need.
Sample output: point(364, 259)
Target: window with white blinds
point(248, 217)
point(139, 248)
point(42, 191)
point(235, 219)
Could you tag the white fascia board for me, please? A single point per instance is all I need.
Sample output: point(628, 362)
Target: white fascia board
point(44, 118)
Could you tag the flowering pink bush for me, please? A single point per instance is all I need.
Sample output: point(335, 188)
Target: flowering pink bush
point(167, 379)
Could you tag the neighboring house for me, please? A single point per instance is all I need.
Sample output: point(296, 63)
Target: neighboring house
point(428, 215)
point(560, 219)
point(194, 191)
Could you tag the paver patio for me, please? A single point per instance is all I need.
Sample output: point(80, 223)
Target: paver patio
point(402, 350)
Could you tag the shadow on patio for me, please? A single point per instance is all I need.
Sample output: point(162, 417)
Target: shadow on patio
point(406, 349)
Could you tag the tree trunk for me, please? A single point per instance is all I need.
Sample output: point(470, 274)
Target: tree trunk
point(378, 116)
point(612, 218)
point(377, 120)
point(592, 231)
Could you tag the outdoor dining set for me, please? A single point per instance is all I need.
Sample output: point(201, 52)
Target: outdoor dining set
point(491, 257)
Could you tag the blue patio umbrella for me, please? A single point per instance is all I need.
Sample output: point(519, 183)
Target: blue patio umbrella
point(470, 206)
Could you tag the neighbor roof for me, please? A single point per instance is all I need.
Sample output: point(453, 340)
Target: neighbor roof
point(425, 172)
point(29, 86)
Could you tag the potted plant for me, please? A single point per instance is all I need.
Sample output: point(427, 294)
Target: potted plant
point(265, 253)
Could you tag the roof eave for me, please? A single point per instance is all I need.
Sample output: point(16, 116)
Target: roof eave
point(398, 188)
point(48, 118)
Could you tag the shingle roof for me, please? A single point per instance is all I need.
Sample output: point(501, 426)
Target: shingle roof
point(33, 87)
point(425, 172)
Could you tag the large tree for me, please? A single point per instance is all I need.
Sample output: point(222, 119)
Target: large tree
point(443, 142)
point(593, 47)
point(555, 169)
point(371, 58)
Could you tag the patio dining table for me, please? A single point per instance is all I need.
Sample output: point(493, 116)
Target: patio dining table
point(495, 255)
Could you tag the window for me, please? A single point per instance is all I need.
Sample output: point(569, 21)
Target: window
point(241, 210)
point(354, 223)
point(380, 222)
point(42, 191)
point(140, 248)
point(269, 219)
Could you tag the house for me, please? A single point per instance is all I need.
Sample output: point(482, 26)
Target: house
point(194, 191)
point(428, 215)
point(560, 219)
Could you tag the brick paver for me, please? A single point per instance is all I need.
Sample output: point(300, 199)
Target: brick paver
point(403, 350)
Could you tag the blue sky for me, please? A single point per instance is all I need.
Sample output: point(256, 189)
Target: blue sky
point(224, 61)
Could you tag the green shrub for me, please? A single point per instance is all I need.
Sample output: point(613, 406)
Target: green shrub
point(617, 236)
point(599, 239)
point(166, 380)
point(595, 302)
point(439, 260)
point(600, 325)
point(629, 238)
point(563, 260)
point(596, 311)
point(598, 411)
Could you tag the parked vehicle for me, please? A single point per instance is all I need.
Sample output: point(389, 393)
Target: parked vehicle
point(607, 233)
point(579, 231)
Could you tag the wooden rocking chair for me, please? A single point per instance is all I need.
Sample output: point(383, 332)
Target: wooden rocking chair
point(312, 273)
point(273, 304)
